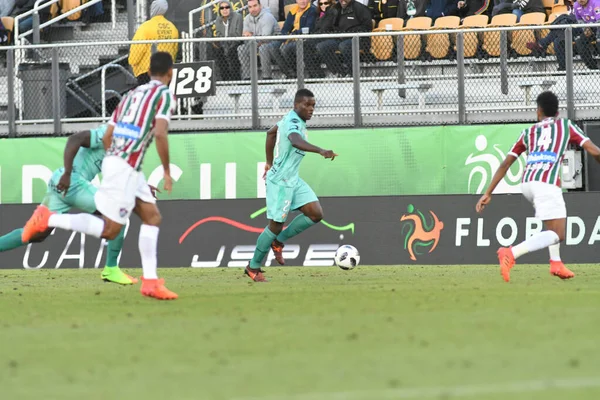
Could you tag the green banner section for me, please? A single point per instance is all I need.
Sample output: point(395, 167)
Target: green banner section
point(371, 162)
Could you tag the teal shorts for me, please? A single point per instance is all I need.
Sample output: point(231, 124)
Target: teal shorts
point(80, 195)
point(282, 199)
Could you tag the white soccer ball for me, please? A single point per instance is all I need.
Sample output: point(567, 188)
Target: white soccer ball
point(347, 257)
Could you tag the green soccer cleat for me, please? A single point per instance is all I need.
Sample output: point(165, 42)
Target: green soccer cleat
point(115, 275)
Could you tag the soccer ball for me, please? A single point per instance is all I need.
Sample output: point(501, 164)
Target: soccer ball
point(347, 257)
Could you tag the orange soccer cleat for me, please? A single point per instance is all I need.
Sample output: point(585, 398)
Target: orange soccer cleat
point(277, 248)
point(156, 288)
point(37, 223)
point(507, 261)
point(557, 268)
point(255, 274)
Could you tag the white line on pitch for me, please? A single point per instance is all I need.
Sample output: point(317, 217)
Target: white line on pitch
point(444, 392)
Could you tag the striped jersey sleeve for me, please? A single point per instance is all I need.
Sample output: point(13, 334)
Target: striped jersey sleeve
point(576, 135)
point(166, 105)
point(520, 146)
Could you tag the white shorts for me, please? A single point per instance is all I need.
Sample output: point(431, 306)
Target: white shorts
point(120, 186)
point(547, 200)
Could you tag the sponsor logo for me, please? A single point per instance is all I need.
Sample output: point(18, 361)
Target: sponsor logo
point(541, 157)
point(419, 232)
point(127, 131)
point(485, 165)
point(314, 255)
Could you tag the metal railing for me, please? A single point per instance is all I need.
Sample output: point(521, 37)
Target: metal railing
point(390, 78)
point(196, 11)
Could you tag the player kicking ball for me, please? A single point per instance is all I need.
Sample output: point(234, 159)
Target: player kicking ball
point(71, 186)
point(285, 147)
point(545, 144)
point(142, 115)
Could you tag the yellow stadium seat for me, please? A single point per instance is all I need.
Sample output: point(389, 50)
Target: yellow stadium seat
point(471, 39)
point(397, 23)
point(491, 40)
point(438, 44)
point(412, 43)
point(521, 38)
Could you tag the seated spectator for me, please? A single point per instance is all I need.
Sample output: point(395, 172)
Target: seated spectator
point(301, 16)
point(312, 61)
point(441, 8)
point(272, 6)
point(259, 22)
point(6, 7)
point(228, 24)
point(21, 7)
point(585, 12)
point(347, 16)
point(466, 8)
point(412, 8)
point(156, 28)
point(381, 9)
point(518, 7)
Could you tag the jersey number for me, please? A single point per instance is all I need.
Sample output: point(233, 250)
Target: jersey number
point(545, 140)
point(193, 79)
point(134, 106)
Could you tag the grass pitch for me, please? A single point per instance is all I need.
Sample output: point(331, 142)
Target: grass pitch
point(311, 333)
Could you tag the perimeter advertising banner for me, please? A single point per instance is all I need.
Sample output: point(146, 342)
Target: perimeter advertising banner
point(387, 230)
point(372, 162)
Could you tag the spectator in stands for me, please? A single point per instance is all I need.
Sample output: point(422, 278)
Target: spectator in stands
point(584, 12)
point(228, 24)
point(302, 15)
point(156, 28)
point(272, 6)
point(312, 61)
point(6, 7)
point(347, 16)
point(412, 8)
point(441, 8)
point(381, 9)
point(21, 7)
point(466, 8)
point(259, 22)
point(517, 7)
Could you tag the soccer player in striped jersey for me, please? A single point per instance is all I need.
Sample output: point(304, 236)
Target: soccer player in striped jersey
point(545, 144)
point(141, 116)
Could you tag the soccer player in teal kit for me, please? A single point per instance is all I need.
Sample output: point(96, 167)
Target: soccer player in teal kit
point(71, 187)
point(286, 146)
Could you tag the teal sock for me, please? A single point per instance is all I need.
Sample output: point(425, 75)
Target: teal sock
point(263, 244)
point(298, 225)
point(11, 240)
point(114, 248)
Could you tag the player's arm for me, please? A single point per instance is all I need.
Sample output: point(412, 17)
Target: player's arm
point(578, 137)
point(74, 143)
point(593, 150)
point(303, 145)
point(518, 148)
point(161, 129)
point(270, 147)
point(108, 135)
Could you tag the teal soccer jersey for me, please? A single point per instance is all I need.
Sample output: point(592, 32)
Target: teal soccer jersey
point(285, 190)
point(287, 158)
point(86, 165)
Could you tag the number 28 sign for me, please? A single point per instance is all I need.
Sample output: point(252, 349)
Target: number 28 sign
point(193, 79)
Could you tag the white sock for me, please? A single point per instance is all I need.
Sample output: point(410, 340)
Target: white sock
point(148, 242)
point(84, 223)
point(554, 252)
point(536, 242)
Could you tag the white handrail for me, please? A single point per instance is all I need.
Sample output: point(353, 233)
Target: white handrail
point(195, 11)
point(103, 83)
point(37, 6)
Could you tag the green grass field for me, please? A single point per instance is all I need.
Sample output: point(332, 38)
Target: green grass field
point(312, 333)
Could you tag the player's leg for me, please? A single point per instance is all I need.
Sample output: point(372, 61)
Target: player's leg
point(549, 207)
point(306, 201)
point(55, 201)
point(147, 210)
point(279, 200)
point(82, 195)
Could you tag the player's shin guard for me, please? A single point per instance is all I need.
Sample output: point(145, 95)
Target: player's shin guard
point(84, 223)
point(536, 242)
point(11, 240)
point(554, 251)
point(263, 244)
point(114, 249)
point(148, 241)
point(298, 225)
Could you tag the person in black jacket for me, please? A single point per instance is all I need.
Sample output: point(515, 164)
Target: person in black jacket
point(312, 61)
point(346, 16)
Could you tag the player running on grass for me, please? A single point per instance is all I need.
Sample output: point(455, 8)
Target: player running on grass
point(285, 147)
point(142, 115)
point(545, 144)
point(71, 186)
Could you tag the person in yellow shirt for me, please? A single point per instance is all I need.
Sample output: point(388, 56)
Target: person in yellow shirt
point(156, 28)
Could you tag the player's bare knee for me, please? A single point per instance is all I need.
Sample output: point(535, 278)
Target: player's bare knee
point(153, 219)
point(316, 216)
point(111, 230)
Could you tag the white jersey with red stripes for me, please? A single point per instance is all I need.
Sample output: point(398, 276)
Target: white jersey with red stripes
point(545, 144)
point(134, 119)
